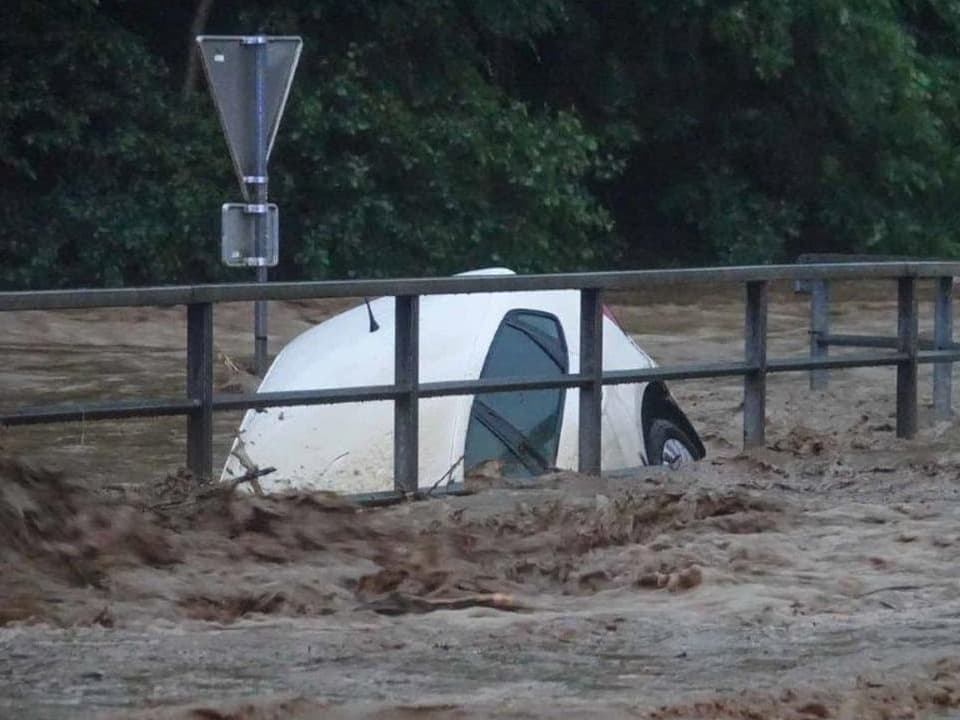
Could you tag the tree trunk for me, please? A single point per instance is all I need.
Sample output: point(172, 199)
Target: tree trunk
point(197, 26)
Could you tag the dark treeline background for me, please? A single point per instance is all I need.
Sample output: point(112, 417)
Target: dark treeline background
point(432, 136)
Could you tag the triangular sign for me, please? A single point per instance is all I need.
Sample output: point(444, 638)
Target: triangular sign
point(230, 63)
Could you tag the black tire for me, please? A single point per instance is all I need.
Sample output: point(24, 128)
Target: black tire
point(661, 431)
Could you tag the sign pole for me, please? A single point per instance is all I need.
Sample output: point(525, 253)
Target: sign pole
point(259, 197)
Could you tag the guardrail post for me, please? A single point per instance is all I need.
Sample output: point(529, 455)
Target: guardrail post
point(755, 351)
point(406, 416)
point(200, 388)
point(943, 340)
point(819, 328)
point(591, 391)
point(907, 342)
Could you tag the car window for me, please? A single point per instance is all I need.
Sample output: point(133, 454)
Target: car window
point(520, 429)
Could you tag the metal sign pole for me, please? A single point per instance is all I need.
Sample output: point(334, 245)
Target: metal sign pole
point(258, 196)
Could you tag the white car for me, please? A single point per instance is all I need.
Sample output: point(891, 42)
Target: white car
point(348, 447)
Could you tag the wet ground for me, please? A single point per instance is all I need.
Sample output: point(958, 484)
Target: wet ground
point(814, 578)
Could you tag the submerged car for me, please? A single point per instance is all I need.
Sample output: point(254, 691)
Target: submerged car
point(348, 447)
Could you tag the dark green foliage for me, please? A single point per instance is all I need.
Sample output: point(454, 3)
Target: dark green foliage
point(765, 128)
point(434, 136)
point(102, 180)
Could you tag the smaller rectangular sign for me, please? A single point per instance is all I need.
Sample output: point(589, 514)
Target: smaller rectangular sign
point(239, 227)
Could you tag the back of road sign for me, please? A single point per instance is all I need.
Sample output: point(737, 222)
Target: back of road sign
point(230, 65)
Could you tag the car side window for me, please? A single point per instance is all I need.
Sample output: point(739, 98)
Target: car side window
point(520, 429)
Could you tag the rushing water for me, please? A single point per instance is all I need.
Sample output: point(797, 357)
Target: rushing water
point(845, 584)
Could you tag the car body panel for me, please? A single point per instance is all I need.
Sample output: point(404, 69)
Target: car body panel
point(348, 447)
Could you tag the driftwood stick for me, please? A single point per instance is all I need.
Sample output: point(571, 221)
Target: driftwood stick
point(250, 476)
point(218, 490)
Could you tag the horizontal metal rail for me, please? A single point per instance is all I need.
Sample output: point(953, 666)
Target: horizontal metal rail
point(122, 409)
point(259, 401)
point(876, 341)
point(907, 351)
point(837, 363)
point(623, 280)
point(938, 356)
point(115, 410)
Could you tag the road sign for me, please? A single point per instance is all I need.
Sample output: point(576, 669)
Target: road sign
point(250, 78)
point(241, 246)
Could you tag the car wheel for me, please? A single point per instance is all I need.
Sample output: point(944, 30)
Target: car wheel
point(669, 445)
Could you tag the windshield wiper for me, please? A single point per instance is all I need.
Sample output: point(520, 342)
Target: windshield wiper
point(513, 439)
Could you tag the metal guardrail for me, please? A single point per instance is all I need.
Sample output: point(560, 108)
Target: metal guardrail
point(201, 401)
point(940, 350)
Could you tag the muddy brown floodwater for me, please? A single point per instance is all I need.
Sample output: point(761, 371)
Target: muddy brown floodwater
point(814, 578)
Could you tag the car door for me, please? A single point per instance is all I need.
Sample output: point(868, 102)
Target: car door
point(520, 429)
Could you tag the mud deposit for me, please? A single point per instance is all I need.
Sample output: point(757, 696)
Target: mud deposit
point(815, 578)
